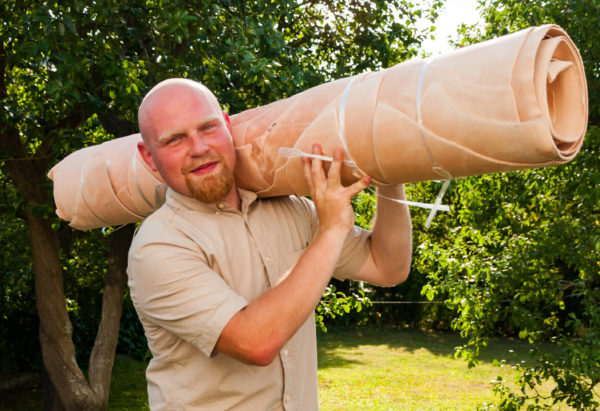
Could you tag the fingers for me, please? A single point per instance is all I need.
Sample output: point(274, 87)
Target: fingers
point(334, 175)
point(315, 175)
point(336, 166)
point(358, 186)
point(306, 166)
point(318, 175)
point(313, 172)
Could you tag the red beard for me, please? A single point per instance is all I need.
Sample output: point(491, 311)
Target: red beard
point(213, 186)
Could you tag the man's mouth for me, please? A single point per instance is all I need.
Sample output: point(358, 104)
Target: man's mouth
point(205, 168)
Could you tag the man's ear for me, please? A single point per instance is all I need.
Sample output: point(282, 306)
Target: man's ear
point(146, 155)
point(228, 122)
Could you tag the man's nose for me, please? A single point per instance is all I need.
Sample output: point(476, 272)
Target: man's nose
point(197, 145)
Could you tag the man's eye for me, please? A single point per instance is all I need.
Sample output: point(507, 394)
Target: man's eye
point(174, 139)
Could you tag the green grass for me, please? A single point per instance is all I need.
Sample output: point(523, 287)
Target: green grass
point(359, 369)
point(390, 369)
point(128, 385)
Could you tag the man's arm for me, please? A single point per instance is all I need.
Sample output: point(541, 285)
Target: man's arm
point(256, 334)
point(388, 263)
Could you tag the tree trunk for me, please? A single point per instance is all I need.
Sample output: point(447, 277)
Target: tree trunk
point(51, 399)
point(103, 353)
point(56, 330)
point(58, 350)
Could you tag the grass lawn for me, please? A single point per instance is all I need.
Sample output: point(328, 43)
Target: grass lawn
point(390, 369)
point(359, 369)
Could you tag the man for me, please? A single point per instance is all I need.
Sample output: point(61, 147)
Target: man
point(225, 284)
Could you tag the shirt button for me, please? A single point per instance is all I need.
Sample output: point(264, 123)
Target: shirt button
point(220, 206)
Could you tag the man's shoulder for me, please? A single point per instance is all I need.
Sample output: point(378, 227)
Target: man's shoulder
point(163, 225)
point(290, 211)
point(291, 201)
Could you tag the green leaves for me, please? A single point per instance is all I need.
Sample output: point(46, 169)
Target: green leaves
point(336, 304)
point(519, 255)
point(74, 72)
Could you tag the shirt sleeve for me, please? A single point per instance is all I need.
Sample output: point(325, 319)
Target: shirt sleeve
point(173, 288)
point(356, 249)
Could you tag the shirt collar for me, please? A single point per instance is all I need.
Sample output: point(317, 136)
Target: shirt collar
point(178, 200)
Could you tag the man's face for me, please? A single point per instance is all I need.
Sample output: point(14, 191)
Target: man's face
point(188, 140)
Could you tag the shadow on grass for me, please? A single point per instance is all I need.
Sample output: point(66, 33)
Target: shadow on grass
point(128, 385)
point(127, 390)
point(24, 397)
point(439, 344)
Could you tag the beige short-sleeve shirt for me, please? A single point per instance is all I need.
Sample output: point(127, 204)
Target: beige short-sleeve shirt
point(192, 267)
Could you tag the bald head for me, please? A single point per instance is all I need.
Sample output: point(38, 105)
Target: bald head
point(187, 139)
point(168, 91)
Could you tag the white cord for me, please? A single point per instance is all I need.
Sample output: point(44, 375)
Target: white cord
point(436, 167)
point(294, 152)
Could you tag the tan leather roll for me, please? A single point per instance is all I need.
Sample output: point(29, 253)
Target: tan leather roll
point(518, 101)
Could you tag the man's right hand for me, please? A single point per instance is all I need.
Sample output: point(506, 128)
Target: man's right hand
point(332, 200)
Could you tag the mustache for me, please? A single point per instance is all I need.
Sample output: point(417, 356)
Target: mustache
point(202, 162)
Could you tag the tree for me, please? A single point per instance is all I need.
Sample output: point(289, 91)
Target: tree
point(72, 74)
point(521, 253)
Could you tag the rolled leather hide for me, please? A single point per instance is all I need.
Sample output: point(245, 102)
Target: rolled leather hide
point(518, 101)
point(106, 184)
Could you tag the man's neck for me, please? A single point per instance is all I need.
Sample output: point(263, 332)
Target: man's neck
point(233, 199)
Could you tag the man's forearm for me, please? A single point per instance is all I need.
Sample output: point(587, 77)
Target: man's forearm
point(256, 334)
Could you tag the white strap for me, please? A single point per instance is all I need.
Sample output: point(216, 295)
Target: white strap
point(294, 152)
point(436, 167)
point(291, 152)
point(437, 206)
point(342, 118)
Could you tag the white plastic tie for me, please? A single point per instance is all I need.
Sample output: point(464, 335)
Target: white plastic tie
point(294, 152)
point(106, 232)
point(342, 118)
point(439, 170)
point(357, 172)
point(439, 207)
point(291, 152)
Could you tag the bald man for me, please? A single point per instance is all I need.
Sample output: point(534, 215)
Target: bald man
point(226, 284)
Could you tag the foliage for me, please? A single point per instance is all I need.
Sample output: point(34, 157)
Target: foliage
point(18, 320)
point(520, 254)
point(415, 311)
point(72, 74)
point(336, 304)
